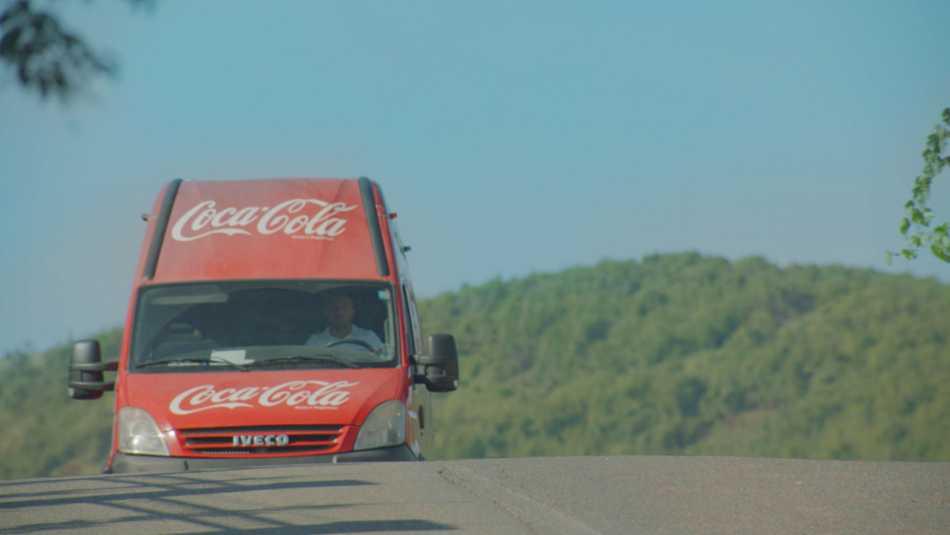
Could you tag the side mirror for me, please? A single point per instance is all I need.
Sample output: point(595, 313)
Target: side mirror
point(441, 367)
point(85, 379)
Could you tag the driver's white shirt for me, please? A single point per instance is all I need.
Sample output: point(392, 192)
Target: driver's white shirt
point(356, 333)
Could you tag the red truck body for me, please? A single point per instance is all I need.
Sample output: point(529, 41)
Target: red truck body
point(218, 365)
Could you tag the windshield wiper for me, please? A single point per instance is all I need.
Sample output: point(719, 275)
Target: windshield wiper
point(302, 358)
point(189, 360)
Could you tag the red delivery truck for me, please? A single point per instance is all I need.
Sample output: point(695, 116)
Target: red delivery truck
point(271, 321)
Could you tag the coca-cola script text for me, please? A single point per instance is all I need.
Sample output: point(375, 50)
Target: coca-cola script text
point(298, 394)
point(289, 217)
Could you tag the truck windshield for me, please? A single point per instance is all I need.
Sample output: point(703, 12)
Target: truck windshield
point(240, 326)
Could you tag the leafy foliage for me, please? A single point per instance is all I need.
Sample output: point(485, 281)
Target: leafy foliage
point(674, 354)
point(915, 226)
point(47, 57)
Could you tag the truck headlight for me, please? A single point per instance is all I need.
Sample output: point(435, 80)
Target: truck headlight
point(385, 426)
point(138, 433)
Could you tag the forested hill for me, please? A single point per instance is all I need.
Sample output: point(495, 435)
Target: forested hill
point(697, 355)
point(681, 354)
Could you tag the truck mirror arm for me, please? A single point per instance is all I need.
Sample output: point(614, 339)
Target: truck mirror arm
point(107, 386)
point(435, 377)
point(110, 366)
point(96, 386)
point(85, 378)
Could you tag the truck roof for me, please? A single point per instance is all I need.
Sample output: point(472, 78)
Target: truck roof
point(265, 229)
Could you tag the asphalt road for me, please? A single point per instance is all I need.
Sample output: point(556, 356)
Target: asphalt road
point(553, 495)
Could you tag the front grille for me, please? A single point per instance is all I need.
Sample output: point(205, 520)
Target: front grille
point(302, 440)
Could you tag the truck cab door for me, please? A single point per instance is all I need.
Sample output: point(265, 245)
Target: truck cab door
point(420, 404)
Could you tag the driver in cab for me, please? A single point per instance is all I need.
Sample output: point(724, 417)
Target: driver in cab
point(340, 311)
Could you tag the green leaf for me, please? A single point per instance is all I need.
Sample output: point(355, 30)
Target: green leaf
point(943, 253)
point(909, 212)
point(933, 141)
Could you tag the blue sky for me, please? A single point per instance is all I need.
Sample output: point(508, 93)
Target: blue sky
point(511, 137)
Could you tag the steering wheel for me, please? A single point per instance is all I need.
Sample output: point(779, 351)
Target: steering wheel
point(352, 341)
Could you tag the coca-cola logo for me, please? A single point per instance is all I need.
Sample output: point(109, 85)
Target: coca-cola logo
point(297, 394)
point(322, 221)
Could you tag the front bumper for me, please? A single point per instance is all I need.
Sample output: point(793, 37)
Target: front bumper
point(135, 464)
